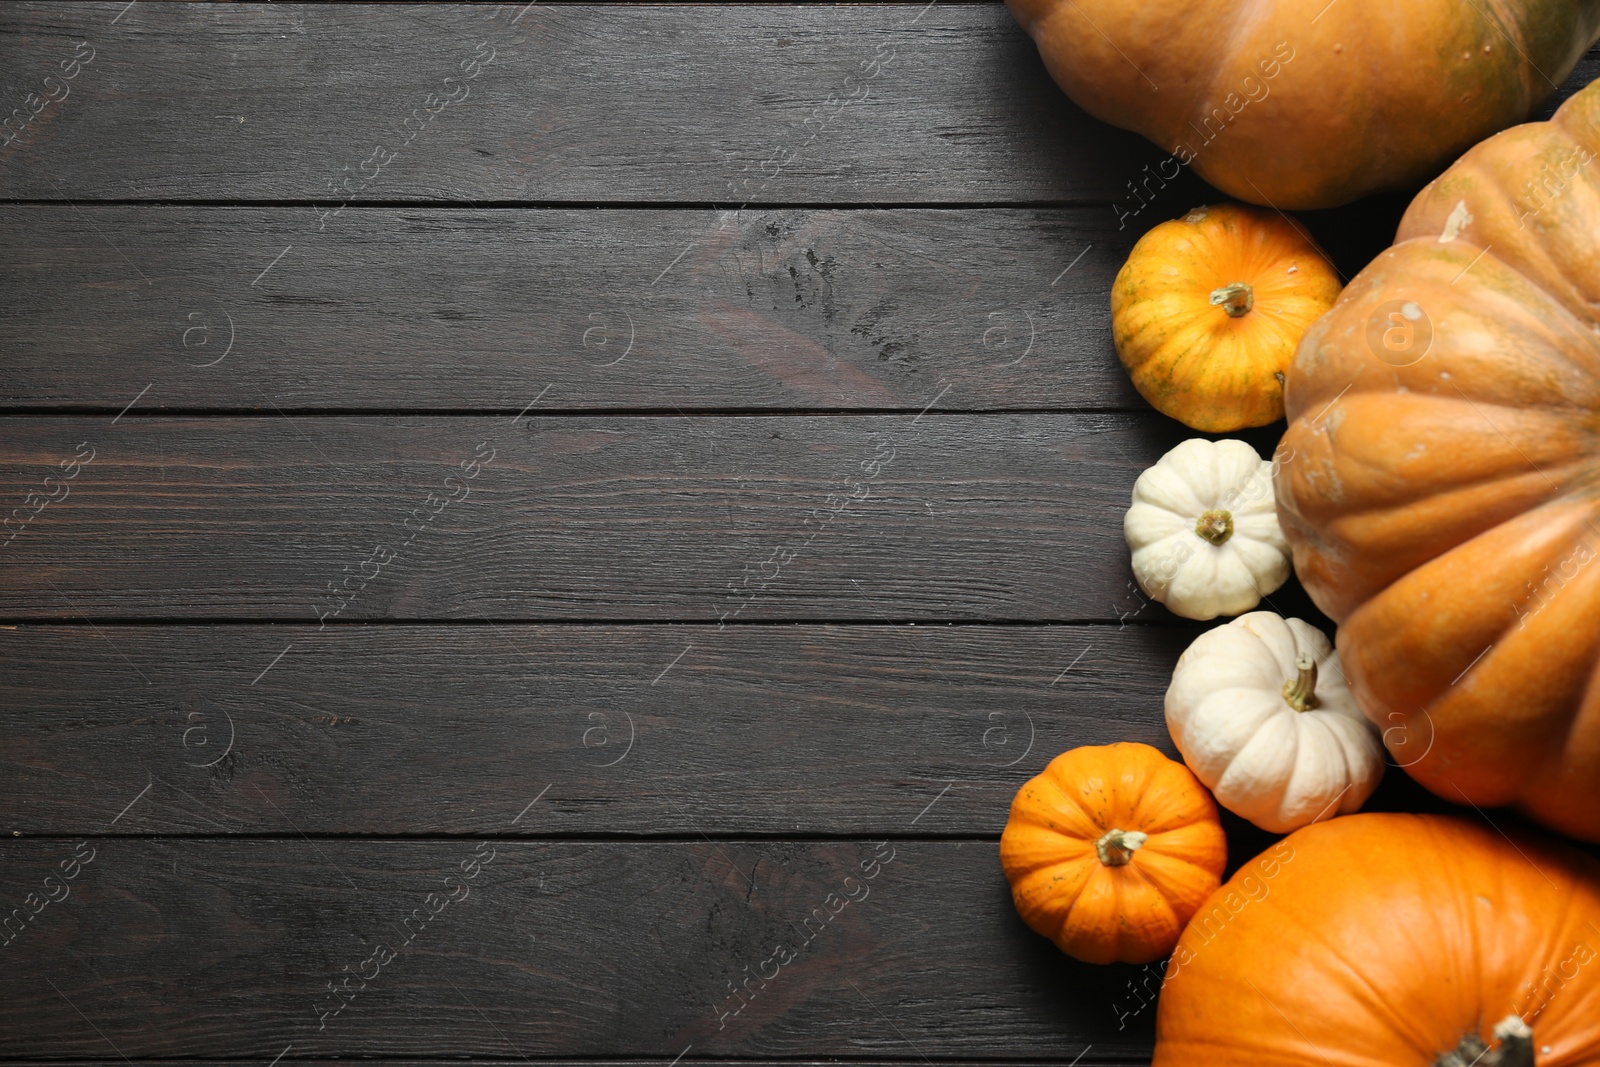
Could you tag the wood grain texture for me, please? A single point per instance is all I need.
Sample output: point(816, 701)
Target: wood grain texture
point(226, 948)
point(846, 730)
point(666, 803)
point(952, 517)
point(465, 309)
point(715, 104)
point(710, 103)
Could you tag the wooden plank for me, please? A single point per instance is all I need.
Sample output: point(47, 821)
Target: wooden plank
point(617, 730)
point(710, 103)
point(227, 948)
point(464, 309)
point(713, 104)
point(952, 517)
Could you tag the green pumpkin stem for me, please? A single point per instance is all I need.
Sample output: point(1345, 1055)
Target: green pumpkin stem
point(1215, 526)
point(1236, 299)
point(1301, 692)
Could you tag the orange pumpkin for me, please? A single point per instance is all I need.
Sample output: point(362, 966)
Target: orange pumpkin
point(1391, 939)
point(1110, 850)
point(1208, 309)
point(1312, 104)
point(1442, 484)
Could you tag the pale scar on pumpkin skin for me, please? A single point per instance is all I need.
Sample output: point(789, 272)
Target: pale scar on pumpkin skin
point(1323, 471)
point(1310, 358)
point(1459, 219)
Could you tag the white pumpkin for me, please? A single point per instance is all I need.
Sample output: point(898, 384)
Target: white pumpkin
point(1204, 530)
point(1263, 716)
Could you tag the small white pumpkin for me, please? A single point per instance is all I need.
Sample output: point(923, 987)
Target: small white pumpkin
point(1204, 530)
point(1263, 716)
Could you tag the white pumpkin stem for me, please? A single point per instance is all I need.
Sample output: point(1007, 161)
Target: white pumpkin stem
point(1236, 299)
point(1116, 847)
point(1301, 692)
point(1215, 526)
point(1515, 1049)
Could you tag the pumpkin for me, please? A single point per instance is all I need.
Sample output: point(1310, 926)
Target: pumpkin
point(1307, 105)
point(1208, 309)
point(1396, 939)
point(1263, 717)
point(1444, 490)
point(1110, 850)
point(1204, 530)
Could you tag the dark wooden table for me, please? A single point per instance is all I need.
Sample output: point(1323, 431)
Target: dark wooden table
point(555, 532)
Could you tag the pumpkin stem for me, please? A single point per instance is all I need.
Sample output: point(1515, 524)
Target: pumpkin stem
point(1236, 299)
point(1215, 526)
point(1516, 1047)
point(1301, 692)
point(1116, 847)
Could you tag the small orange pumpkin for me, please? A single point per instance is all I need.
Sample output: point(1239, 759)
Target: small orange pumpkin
point(1110, 850)
point(1208, 309)
point(1385, 938)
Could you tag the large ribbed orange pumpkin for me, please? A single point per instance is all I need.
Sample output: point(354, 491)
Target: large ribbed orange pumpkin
point(1393, 940)
point(1443, 496)
point(1109, 851)
point(1308, 103)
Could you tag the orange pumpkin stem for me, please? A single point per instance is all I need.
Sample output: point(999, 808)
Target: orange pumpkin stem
point(1516, 1047)
point(1215, 526)
point(1116, 847)
point(1301, 692)
point(1236, 299)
